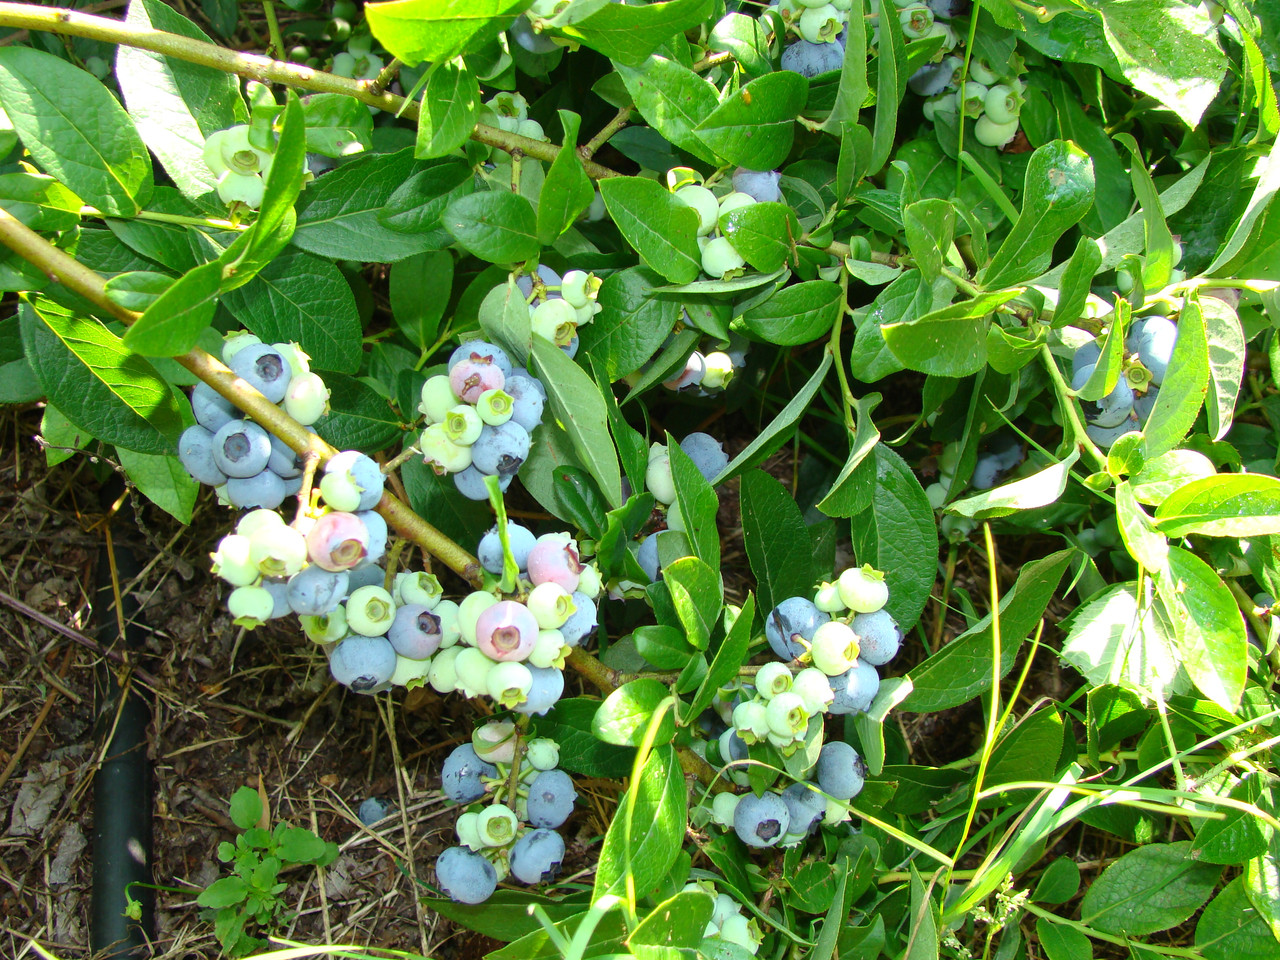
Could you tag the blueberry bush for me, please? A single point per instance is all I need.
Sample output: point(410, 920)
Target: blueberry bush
point(1001, 276)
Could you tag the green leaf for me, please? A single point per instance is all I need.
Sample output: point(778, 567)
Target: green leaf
point(337, 125)
point(86, 371)
point(580, 495)
point(764, 233)
point(246, 808)
point(1232, 929)
point(1210, 630)
point(851, 491)
point(419, 292)
point(1157, 240)
point(1226, 342)
point(138, 289)
point(1057, 192)
point(755, 126)
point(1059, 883)
point(174, 104)
point(1038, 490)
point(576, 403)
point(890, 82)
point(1143, 542)
point(1077, 280)
point(494, 225)
point(629, 34)
point(728, 659)
point(340, 215)
point(663, 230)
point(300, 845)
point(796, 314)
point(897, 534)
point(663, 646)
point(922, 924)
point(1160, 478)
point(697, 503)
point(505, 916)
point(964, 667)
point(929, 226)
point(1148, 889)
point(224, 892)
point(569, 723)
point(677, 922)
point(1029, 751)
point(162, 480)
point(567, 191)
point(697, 595)
point(1240, 835)
point(764, 444)
point(40, 202)
point(1061, 942)
point(303, 298)
point(632, 323)
point(174, 321)
point(673, 100)
point(950, 341)
point(776, 540)
point(436, 30)
point(450, 104)
point(75, 130)
point(1184, 387)
point(360, 419)
point(415, 207)
point(1229, 505)
point(1166, 49)
point(647, 829)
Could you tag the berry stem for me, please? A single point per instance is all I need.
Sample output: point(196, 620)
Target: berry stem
point(61, 20)
point(273, 29)
point(587, 151)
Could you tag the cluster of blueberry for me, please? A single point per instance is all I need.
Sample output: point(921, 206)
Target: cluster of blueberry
point(720, 258)
point(708, 456)
point(513, 650)
point(509, 111)
point(239, 166)
point(515, 800)
point(479, 417)
point(819, 27)
point(707, 373)
point(559, 305)
point(837, 639)
point(727, 924)
point(248, 466)
point(1150, 343)
point(1000, 454)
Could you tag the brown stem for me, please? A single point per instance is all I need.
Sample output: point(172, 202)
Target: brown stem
point(77, 24)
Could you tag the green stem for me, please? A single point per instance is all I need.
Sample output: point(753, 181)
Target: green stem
point(1106, 937)
point(963, 283)
point(837, 356)
point(63, 21)
point(1065, 395)
point(273, 29)
point(619, 121)
point(178, 218)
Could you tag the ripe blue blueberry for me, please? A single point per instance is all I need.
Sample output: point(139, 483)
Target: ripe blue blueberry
point(372, 810)
point(761, 821)
point(279, 590)
point(529, 398)
point(1153, 339)
point(470, 483)
point(706, 453)
point(489, 553)
point(878, 637)
point(263, 489)
point(647, 557)
point(551, 797)
point(283, 462)
point(465, 875)
point(1144, 404)
point(314, 591)
point(415, 632)
point(549, 278)
point(792, 618)
point(1113, 409)
point(1085, 356)
point(986, 473)
point(536, 857)
point(241, 448)
point(932, 78)
point(363, 663)
point(582, 622)
point(841, 772)
point(810, 59)
point(521, 31)
point(806, 807)
point(460, 776)
point(500, 450)
point(195, 450)
point(377, 527)
point(367, 574)
point(855, 689)
point(544, 693)
point(211, 409)
point(265, 369)
point(760, 184)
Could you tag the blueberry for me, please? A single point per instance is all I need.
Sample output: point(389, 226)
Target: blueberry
point(364, 472)
point(986, 473)
point(521, 31)
point(536, 857)
point(263, 489)
point(647, 557)
point(415, 632)
point(283, 462)
point(761, 184)
point(521, 540)
point(1113, 409)
point(377, 527)
point(545, 692)
point(460, 776)
point(1086, 356)
point(363, 663)
point(500, 450)
point(571, 348)
point(840, 770)
point(706, 453)
point(878, 637)
point(241, 448)
point(524, 282)
point(483, 351)
point(932, 78)
point(806, 807)
point(793, 616)
point(367, 574)
point(582, 622)
point(551, 797)
point(732, 747)
point(1144, 404)
point(1005, 449)
point(265, 369)
point(314, 591)
point(1152, 339)
point(1106, 436)
point(529, 398)
point(949, 8)
point(195, 450)
point(810, 59)
point(466, 876)
point(855, 689)
point(761, 821)
point(279, 590)
point(470, 483)
point(372, 810)
point(212, 410)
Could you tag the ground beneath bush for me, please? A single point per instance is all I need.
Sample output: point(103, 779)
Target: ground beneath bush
point(231, 708)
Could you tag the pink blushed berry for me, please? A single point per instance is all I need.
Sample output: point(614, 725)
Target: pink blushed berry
point(506, 631)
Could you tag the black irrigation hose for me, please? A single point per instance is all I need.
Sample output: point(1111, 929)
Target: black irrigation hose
point(122, 787)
